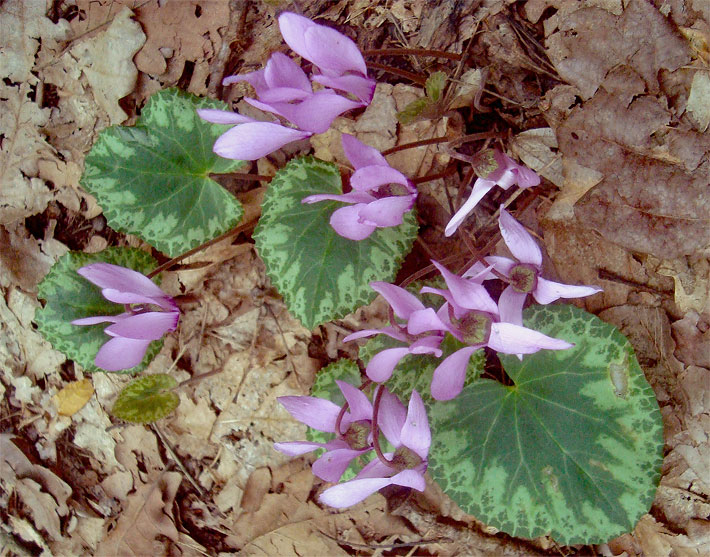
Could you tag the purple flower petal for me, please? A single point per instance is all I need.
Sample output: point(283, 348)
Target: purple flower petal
point(450, 375)
point(416, 434)
point(346, 222)
point(350, 197)
point(315, 412)
point(391, 417)
point(376, 468)
point(427, 345)
point(123, 297)
point(121, 353)
point(314, 114)
point(410, 478)
point(254, 140)
point(297, 448)
point(333, 52)
point(283, 94)
point(222, 116)
point(359, 405)
point(389, 331)
point(425, 320)
point(548, 291)
point(352, 492)
point(501, 264)
point(361, 155)
point(106, 275)
point(520, 243)
point(526, 177)
point(98, 319)
point(332, 464)
point(403, 303)
point(514, 339)
point(382, 364)
point(144, 326)
point(388, 211)
point(467, 293)
point(367, 178)
point(281, 71)
point(480, 188)
point(293, 29)
point(510, 305)
point(362, 87)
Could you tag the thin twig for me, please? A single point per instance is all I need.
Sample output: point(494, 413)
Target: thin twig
point(248, 176)
point(430, 177)
point(177, 460)
point(416, 78)
point(412, 51)
point(413, 144)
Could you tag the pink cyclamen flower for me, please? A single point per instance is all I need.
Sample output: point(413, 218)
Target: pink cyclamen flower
point(380, 195)
point(411, 438)
point(498, 169)
point(473, 317)
point(406, 306)
point(284, 89)
point(353, 439)
point(524, 274)
point(150, 313)
point(337, 57)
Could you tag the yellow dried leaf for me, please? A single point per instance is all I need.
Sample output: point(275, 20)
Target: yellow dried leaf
point(73, 397)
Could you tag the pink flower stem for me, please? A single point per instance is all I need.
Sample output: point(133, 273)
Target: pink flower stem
point(365, 384)
point(376, 429)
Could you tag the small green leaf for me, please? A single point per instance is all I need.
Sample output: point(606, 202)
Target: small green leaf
point(147, 399)
point(413, 110)
point(152, 179)
point(321, 275)
point(435, 86)
point(573, 449)
point(70, 296)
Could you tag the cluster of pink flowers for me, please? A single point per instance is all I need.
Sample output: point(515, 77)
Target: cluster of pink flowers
point(407, 430)
point(285, 90)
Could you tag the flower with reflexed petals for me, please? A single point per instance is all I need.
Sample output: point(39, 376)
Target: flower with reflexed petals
point(150, 313)
point(524, 274)
point(473, 317)
point(411, 438)
point(497, 169)
point(380, 195)
point(353, 439)
point(406, 306)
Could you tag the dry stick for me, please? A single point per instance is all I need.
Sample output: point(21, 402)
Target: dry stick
point(193, 251)
point(421, 80)
point(413, 144)
point(247, 176)
point(413, 51)
point(177, 460)
point(283, 338)
point(387, 546)
point(429, 177)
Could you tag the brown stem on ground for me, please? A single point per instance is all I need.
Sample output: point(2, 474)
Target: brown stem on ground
point(416, 78)
point(247, 176)
point(429, 177)
point(193, 251)
point(413, 144)
point(412, 51)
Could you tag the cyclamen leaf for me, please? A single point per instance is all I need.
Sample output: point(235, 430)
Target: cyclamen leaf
point(152, 179)
point(321, 275)
point(573, 449)
point(69, 296)
point(147, 399)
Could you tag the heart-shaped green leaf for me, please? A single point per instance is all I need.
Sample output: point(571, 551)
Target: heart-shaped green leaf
point(70, 296)
point(573, 449)
point(152, 179)
point(147, 399)
point(321, 275)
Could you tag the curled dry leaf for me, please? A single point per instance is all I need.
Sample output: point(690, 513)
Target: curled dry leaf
point(73, 397)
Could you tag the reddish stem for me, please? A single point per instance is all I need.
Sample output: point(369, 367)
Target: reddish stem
point(376, 429)
point(413, 51)
point(416, 78)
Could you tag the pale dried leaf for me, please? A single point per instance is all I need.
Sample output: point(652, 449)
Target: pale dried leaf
point(692, 282)
point(107, 62)
point(73, 397)
point(699, 99)
point(300, 538)
point(537, 149)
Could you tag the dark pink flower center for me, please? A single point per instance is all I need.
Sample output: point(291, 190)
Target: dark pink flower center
point(485, 164)
point(523, 278)
point(405, 459)
point(357, 435)
point(475, 327)
point(390, 190)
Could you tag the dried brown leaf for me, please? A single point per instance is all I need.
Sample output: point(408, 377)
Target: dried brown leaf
point(148, 516)
point(294, 539)
point(73, 397)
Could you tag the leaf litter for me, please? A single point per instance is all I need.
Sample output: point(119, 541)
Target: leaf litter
point(615, 119)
